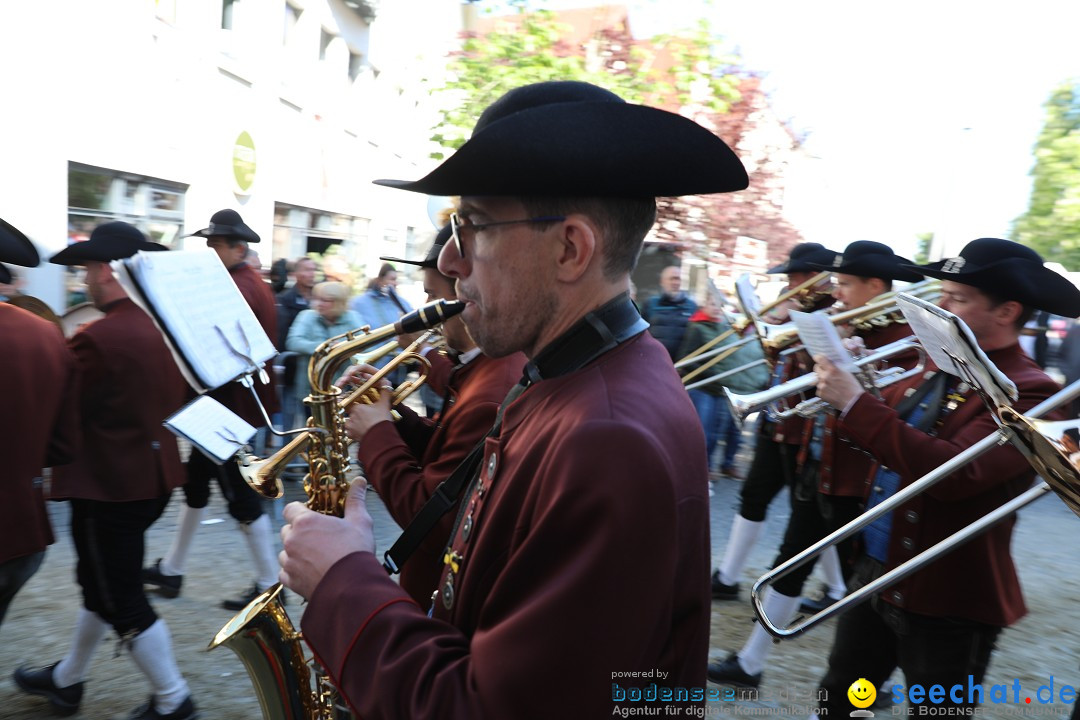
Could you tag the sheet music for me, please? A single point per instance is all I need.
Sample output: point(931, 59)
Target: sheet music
point(200, 311)
point(212, 427)
point(747, 295)
point(944, 336)
point(819, 336)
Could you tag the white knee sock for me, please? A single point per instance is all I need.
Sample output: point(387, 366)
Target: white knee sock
point(263, 551)
point(89, 630)
point(834, 579)
point(152, 652)
point(780, 609)
point(744, 533)
point(186, 524)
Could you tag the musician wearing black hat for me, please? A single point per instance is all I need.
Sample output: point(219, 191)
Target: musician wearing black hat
point(405, 461)
point(777, 445)
point(229, 237)
point(38, 427)
point(939, 625)
point(119, 483)
point(831, 476)
point(587, 510)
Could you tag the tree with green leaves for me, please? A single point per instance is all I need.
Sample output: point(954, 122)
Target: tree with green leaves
point(531, 46)
point(1051, 224)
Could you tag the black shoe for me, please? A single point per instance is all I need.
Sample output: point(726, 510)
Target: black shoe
point(239, 603)
point(723, 591)
point(39, 681)
point(730, 672)
point(813, 607)
point(165, 585)
point(186, 711)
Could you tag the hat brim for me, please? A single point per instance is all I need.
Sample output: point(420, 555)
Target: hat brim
point(417, 263)
point(238, 232)
point(82, 252)
point(870, 267)
point(16, 248)
point(582, 149)
point(1025, 281)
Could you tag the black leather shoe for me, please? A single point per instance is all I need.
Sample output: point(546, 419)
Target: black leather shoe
point(239, 603)
point(39, 681)
point(164, 585)
point(186, 711)
point(730, 672)
point(723, 591)
point(812, 607)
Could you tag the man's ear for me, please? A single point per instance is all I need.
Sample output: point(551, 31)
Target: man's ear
point(578, 247)
point(1008, 312)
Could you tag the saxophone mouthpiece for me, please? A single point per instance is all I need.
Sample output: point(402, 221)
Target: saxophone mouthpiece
point(429, 316)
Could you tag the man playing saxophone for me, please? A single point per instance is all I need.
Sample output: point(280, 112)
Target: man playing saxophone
point(597, 457)
point(939, 625)
point(405, 461)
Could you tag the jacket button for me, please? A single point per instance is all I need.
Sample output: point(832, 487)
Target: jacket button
point(37, 483)
point(878, 489)
point(907, 543)
point(155, 445)
point(492, 463)
point(911, 516)
point(897, 597)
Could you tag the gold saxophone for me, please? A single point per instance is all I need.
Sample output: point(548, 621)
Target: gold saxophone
point(288, 684)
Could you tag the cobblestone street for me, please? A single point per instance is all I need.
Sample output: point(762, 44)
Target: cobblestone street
point(1045, 645)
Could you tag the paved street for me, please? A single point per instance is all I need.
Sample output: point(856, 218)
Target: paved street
point(38, 627)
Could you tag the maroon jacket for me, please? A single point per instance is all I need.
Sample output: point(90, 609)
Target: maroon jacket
point(128, 385)
point(590, 556)
point(978, 580)
point(38, 427)
point(390, 452)
point(260, 297)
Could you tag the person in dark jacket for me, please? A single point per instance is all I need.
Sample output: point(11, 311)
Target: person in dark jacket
point(669, 312)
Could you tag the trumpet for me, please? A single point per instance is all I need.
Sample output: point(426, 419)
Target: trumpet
point(743, 405)
point(802, 290)
point(1040, 442)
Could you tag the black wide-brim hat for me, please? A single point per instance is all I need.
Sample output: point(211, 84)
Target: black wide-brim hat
point(869, 259)
point(228, 224)
point(1008, 270)
point(801, 256)
point(108, 242)
point(16, 248)
point(573, 139)
point(431, 260)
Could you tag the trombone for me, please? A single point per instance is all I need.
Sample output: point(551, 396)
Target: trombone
point(740, 326)
point(1032, 437)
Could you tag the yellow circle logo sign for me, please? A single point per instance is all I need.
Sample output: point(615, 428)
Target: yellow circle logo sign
point(243, 163)
point(862, 693)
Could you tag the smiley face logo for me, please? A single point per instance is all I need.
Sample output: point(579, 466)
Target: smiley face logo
point(862, 693)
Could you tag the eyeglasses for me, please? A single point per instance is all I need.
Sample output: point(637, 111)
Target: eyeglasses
point(457, 225)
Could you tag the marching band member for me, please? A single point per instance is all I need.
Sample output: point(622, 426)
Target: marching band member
point(831, 482)
point(597, 458)
point(229, 237)
point(38, 429)
point(119, 484)
point(405, 461)
point(939, 625)
point(777, 445)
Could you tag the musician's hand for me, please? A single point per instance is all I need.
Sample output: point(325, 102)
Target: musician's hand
point(855, 345)
point(314, 542)
point(362, 417)
point(356, 375)
point(781, 313)
point(835, 386)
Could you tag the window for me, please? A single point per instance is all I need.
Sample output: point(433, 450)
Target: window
point(98, 195)
point(228, 9)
